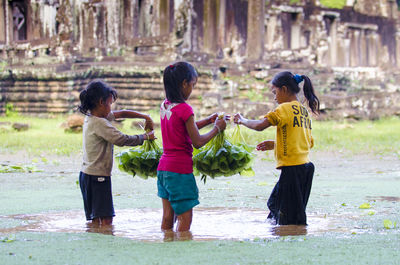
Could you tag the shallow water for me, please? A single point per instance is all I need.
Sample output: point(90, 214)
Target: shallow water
point(383, 198)
point(208, 224)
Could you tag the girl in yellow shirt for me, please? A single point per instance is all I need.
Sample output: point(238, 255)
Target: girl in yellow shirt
point(288, 200)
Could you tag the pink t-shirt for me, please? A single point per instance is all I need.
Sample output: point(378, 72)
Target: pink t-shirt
point(177, 145)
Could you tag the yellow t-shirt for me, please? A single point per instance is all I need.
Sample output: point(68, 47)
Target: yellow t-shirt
point(293, 133)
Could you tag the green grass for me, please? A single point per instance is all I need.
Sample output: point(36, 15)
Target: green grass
point(47, 137)
point(377, 137)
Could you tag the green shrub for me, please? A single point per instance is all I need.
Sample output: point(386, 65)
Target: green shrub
point(10, 110)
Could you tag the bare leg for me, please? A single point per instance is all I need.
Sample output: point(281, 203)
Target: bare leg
point(184, 221)
point(184, 235)
point(106, 220)
point(168, 216)
point(93, 225)
point(169, 235)
point(96, 222)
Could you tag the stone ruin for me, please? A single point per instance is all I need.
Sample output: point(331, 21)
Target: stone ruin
point(50, 49)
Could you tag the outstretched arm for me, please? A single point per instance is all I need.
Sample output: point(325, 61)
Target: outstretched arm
point(257, 125)
point(204, 122)
point(134, 114)
point(198, 140)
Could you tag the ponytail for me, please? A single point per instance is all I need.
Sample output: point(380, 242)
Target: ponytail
point(308, 89)
point(84, 107)
point(291, 81)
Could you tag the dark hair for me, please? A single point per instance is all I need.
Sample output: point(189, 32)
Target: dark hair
point(173, 78)
point(93, 93)
point(291, 81)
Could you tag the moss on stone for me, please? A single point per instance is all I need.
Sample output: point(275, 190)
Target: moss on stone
point(339, 4)
point(3, 65)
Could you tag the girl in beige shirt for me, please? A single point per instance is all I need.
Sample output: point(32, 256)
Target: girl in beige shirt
point(99, 138)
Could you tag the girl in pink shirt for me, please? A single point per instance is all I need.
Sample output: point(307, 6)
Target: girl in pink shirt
point(175, 181)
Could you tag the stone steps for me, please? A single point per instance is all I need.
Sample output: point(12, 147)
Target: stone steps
point(144, 91)
point(141, 92)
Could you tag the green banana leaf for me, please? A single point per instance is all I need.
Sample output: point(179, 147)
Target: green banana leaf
point(140, 160)
point(221, 157)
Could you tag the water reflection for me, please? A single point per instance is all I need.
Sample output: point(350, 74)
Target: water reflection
point(383, 198)
point(170, 235)
point(289, 230)
point(208, 224)
point(99, 228)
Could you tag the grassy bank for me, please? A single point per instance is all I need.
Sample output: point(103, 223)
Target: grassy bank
point(46, 136)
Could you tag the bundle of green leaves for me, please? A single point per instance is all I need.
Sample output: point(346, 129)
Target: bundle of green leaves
point(141, 161)
point(220, 157)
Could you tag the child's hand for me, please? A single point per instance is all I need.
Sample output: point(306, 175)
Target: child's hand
point(149, 125)
point(266, 145)
point(212, 118)
point(220, 124)
point(238, 118)
point(149, 136)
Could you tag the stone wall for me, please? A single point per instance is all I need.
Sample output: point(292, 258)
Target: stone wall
point(30, 94)
point(229, 91)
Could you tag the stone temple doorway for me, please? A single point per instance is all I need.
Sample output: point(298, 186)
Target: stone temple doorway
point(19, 15)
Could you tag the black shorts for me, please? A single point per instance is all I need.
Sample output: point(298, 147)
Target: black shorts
point(289, 198)
point(97, 196)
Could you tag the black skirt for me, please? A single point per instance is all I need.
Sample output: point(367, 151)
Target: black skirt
point(288, 200)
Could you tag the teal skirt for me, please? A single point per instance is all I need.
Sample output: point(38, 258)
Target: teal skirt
point(179, 189)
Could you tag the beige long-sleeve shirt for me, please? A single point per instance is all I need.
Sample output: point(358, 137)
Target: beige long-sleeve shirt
point(99, 137)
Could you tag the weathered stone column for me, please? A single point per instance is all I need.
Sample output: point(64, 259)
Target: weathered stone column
point(113, 22)
point(271, 30)
point(398, 49)
point(372, 48)
point(331, 23)
point(333, 40)
point(255, 29)
point(393, 11)
point(2, 21)
point(195, 30)
point(9, 21)
point(362, 57)
point(221, 28)
point(354, 47)
point(210, 26)
point(166, 16)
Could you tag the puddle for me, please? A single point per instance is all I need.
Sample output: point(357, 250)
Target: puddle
point(208, 224)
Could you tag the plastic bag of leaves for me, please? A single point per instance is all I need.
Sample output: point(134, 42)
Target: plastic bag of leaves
point(238, 140)
point(220, 157)
point(141, 160)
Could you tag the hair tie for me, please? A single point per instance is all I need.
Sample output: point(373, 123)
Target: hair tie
point(298, 78)
point(171, 66)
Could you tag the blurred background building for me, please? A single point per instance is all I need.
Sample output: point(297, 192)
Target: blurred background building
point(49, 49)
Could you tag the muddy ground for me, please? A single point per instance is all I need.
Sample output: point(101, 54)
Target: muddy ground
point(42, 219)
